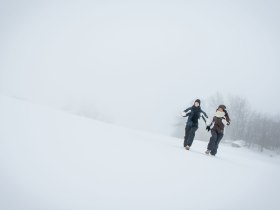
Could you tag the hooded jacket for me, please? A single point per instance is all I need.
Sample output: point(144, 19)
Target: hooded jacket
point(194, 113)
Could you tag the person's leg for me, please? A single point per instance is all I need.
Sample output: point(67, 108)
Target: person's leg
point(191, 136)
point(219, 138)
point(187, 132)
point(212, 140)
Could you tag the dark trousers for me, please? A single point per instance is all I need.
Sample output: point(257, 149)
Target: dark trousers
point(214, 141)
point(189, 135)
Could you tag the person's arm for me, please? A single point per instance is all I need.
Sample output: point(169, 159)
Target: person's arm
point(208, 127)
point(227, 119)
point(203, 113)
point(204, 117)
point(186, 112)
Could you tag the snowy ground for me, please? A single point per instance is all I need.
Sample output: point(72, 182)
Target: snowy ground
point(53, 160)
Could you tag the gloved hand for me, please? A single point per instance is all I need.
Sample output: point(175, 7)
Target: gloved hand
point(183, 114)
point(208, 128)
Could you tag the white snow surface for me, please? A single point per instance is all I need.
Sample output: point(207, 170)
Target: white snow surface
point(57, 161)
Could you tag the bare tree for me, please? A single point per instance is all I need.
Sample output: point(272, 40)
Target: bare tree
point(239, 112)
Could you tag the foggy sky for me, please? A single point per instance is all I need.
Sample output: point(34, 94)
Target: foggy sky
point(140, 62)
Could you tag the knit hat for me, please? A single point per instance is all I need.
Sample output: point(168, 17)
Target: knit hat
point(198, 101)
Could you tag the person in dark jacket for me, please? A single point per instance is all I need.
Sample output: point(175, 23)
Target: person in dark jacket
point(193, 113)
point(217, 126)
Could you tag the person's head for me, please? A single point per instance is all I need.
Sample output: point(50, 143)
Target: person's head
point(197, 103)
point(222, 108)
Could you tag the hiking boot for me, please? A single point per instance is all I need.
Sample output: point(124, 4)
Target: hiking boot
point(187, 147)
point(207, 152)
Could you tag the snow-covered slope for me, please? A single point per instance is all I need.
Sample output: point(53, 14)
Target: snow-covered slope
point(53, 160)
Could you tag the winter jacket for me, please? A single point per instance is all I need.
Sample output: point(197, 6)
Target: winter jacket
point(220, 120)
point(194, 113)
